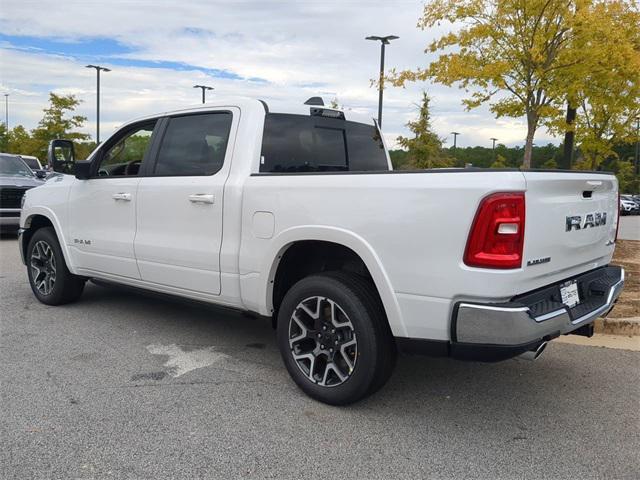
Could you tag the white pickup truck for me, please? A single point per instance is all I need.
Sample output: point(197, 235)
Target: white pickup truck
point(299, 217)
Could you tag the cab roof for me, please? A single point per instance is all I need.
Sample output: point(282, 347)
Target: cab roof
point(247, 103)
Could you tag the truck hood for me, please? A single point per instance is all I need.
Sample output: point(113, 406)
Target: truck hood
point(13, 181)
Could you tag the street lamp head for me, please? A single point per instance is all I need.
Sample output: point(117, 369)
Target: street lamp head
point(455, 133)
point(204, 87)
point(98, 67)
point(384, 40)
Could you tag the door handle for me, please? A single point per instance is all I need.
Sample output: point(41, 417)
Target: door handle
point(122, 196)
point(201, 198)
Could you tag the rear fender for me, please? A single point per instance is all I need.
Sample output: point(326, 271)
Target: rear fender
point(346, 238)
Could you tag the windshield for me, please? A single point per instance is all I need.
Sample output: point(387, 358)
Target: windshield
point(32, 162)
point(14, 167)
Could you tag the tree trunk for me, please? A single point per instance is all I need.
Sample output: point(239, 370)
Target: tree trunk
point(569, 138)
point(528, 146)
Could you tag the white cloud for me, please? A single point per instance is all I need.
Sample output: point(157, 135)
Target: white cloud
point(289, 44)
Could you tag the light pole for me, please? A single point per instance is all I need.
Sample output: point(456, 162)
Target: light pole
point(204, 88)
point(98, 69)
point(635, 160)
point(383, 42)
point(6, 112)
point(493, 148)
point(455, 139)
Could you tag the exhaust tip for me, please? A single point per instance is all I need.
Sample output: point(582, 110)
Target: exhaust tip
point(534, 354)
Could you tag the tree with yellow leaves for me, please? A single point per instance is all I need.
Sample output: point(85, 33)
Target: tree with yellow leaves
point(605, 86)
point(523, 57)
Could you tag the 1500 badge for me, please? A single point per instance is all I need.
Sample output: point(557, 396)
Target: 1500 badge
point(81, 241)
point(538, 261)
point(577, 222)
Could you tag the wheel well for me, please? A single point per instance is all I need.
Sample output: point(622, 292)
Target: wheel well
point(34, 223)
point(307, 257)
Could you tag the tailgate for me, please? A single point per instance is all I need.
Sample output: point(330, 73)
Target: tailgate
point(570, 222)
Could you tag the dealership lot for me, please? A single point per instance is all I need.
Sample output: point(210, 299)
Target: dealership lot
point(629, 228)
point(124, 385)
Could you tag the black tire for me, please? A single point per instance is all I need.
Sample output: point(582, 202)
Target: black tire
point(65, 286)
point(373, 357)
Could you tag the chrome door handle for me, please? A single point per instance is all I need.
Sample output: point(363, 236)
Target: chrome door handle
point(201, 198)
point(122, 196)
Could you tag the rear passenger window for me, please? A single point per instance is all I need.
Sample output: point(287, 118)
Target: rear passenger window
point(194, 145)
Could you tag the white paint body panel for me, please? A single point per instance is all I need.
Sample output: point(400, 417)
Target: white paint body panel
point(410, 229)
point(178, 241)
point(109, 224)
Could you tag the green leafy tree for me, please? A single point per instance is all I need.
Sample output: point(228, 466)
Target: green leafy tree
point(500, 162)
point(424, 150)
point(550, 164)
point(4, 138)
point(399, 159)
point(58, 122)
point(21, 141)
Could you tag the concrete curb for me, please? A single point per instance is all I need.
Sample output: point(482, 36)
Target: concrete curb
point(618, 326)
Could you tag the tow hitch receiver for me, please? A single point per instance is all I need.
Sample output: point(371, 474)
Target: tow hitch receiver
point(584, 331)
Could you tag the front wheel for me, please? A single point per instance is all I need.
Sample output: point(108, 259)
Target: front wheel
point(49, 277)
point(334, 337)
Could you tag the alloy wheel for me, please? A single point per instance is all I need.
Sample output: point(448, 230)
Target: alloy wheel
point(323, 341)
point(43, 267)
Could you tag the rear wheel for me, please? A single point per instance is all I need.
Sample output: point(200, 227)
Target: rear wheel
point(334, 338)
point(49, 277)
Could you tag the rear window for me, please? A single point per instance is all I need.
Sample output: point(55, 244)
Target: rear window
point(300, 143)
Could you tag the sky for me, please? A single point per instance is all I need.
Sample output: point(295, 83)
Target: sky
point(281, 51)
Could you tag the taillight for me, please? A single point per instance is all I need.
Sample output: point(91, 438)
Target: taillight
point(497, 235)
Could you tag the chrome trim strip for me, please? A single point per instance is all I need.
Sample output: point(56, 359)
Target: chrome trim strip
point(549, 315)
point(603, 308)
point(495, 309)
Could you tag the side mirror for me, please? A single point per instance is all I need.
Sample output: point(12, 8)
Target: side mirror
point(61, 156)
point(83, 169)
point(41, 174)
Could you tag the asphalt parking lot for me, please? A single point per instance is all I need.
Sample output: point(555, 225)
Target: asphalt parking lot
point(629, 228)
point(122, 385)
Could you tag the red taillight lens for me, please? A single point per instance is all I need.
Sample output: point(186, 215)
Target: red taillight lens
point(497, 234)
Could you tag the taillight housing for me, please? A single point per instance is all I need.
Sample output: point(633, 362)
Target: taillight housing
point(496, 239)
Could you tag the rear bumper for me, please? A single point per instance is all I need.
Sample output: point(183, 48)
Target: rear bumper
point(497, 331)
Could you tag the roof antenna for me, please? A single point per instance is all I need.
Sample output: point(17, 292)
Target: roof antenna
point(315, 101)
